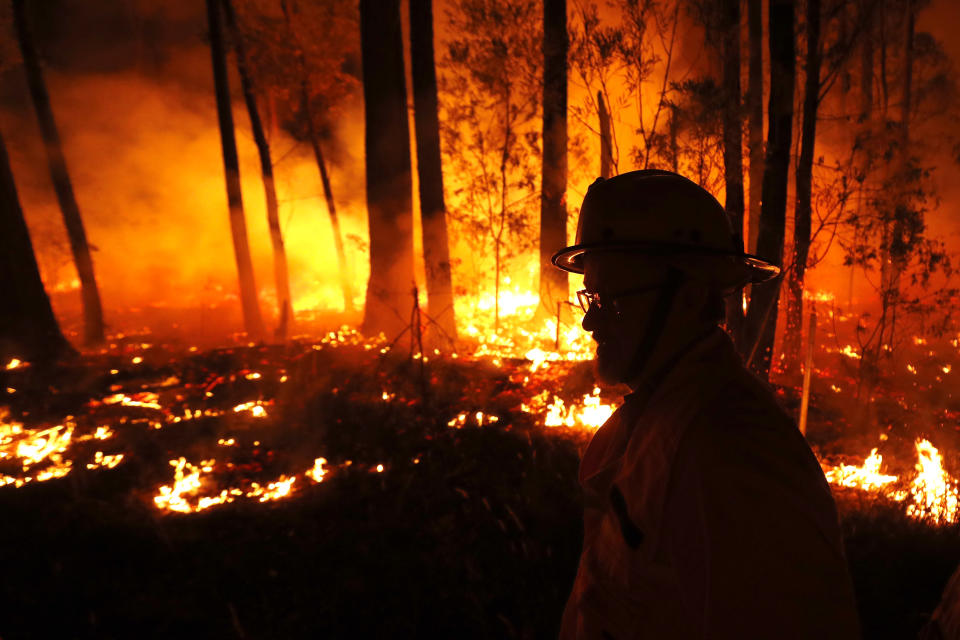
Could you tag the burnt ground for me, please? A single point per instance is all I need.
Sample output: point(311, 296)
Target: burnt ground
point(467, 532)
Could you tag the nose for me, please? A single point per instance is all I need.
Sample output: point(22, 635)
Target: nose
point(591, 320)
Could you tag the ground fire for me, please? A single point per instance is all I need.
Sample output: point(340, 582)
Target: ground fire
point(283, 347)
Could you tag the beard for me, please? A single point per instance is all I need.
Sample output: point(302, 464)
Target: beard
point(612, 363)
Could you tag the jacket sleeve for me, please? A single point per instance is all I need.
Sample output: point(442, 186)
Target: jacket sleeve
point(754, 535)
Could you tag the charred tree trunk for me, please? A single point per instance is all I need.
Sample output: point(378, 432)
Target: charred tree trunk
point(238, 223)
point(803, 208)
point(28, 328)
point(281, 277)
point(733, 147)
point(755, 118)
point(389, 183)
point(93, 330)
point(554, 285)
point(761, 323)
point(433, 210)
point(606, 139)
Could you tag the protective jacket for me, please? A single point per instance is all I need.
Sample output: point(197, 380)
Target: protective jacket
point(706, 515)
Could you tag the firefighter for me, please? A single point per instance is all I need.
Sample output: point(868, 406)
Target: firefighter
point(706, 515)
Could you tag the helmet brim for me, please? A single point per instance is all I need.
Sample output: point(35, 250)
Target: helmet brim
point(729, 270)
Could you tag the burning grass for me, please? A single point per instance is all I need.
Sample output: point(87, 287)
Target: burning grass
point(346, 486)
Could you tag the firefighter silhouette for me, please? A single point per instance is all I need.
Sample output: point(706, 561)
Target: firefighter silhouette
point(706, 515)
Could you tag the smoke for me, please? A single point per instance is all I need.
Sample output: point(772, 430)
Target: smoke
point(142, 145)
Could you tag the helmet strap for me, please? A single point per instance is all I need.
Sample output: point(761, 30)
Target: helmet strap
point(657, 324)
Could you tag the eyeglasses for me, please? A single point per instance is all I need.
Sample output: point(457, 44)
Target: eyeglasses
point(602, 302)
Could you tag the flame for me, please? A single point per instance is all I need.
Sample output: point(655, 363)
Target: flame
point(317, 472)
point(934, 492)
point(589, 416)
point(933, 495)
point(866, 476)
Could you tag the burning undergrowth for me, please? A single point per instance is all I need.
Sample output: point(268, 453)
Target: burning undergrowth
point(269, 490)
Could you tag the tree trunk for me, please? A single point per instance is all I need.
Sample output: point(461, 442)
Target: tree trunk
point(803, 208)
point(346, 283)
point(93, 330)
point(433, 211)
point(280, 274)
point(554, 284)
point(755, 118)
point(28, 328)
point(389, 183)
point(346, 279)
point(606, 139)
point(866, 61)
point(761, 321)
point(238, 224)
point(732, 147)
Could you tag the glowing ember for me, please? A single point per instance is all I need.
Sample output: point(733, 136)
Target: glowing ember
point(317, 472)
point(15, 364)
point(254, 408)
point(105, 461)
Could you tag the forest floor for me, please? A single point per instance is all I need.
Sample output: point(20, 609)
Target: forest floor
point(442, 506)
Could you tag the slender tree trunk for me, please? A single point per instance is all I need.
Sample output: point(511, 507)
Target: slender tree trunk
point(606, 139)
point(554, 285)
point(866, 61)
point(252, 320)
point(281, 278)
point(733, 147)
point(28, 328)
point(433, 211)
point(93, 329)
point(389, 182)
point(803, 209)
point(346, 281)
point(761, 321)
point(755, 118)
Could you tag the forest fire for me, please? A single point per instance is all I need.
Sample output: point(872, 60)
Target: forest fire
point(277, 272)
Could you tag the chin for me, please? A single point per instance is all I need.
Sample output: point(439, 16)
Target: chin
point(609, 370)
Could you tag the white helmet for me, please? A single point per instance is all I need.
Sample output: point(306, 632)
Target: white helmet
point(660, 213)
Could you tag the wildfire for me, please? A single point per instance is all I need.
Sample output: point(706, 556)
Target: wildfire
point(934, 495)
point(32, 448)
point(589, 415)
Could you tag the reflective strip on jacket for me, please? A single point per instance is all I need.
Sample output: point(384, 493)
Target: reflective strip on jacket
point(706, 515)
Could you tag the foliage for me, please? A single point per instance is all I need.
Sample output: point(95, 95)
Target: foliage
point(319, 47)
point(490, 90)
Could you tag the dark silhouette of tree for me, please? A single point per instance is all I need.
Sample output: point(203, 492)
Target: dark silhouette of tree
point(28, 328)
point(606, 138)
point(554, 285)
point(389, 182)
point(761, 322)
point(732, 143)
point(93, 329)
point(433, 210)
point(281, 277)
point(252, 320)
point(755, 118)
point(802, 212)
